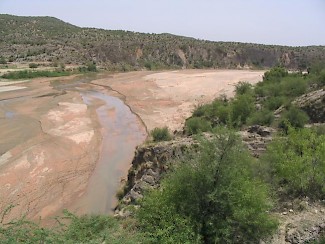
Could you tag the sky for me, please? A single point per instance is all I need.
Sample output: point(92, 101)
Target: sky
point(277, 22)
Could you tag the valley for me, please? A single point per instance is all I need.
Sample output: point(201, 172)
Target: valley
point(66, 143)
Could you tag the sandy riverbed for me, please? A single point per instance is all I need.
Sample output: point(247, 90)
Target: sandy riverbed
point(50, 139)
point(168, 98)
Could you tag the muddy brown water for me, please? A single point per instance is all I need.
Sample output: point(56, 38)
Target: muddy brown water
point(122, 132)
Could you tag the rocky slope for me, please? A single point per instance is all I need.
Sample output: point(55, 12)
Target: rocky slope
point(301, 220)
point(313, 103)
point(151, 161)
point(47, 39)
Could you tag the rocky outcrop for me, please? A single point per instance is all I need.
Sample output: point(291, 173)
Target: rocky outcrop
point(313, 104)
point(149, 164)
point(301, 222)
point(256, 138)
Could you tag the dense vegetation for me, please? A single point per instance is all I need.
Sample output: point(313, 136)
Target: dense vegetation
point(211, 196)
point(71, 229)
point(30, 74)
point(257, 105)
point(25, 74)
point(46, 39)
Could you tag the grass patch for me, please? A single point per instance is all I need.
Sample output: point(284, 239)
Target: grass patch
point(25, 74)
point(161, 134)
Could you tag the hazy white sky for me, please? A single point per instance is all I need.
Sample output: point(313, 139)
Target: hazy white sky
point(284, 22)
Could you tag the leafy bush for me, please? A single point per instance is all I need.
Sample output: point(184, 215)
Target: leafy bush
point(33, 65)
point(243, 87)
point(242, 108)
point(273, 103)
point(161, 223)
point(211, 196)
point(275, 74)
point(197, 125)
point(262, 117)
point(295, 116)
point(298, 163)
point(91, 67)
point(160, 134)
point(72, 229)
point(3, 60)
point(293, 86)
point(16, 75)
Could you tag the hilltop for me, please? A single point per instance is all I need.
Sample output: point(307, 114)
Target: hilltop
point(47, 39)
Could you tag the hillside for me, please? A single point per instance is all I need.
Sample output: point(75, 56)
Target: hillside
point(47, 39)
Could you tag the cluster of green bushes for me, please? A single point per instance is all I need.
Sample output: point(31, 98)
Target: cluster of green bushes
point(211, 196)
point(72, 229)
point(60, 71)
point(255, 105)
point(295, 164)
point(26, 74)
point(218, 193)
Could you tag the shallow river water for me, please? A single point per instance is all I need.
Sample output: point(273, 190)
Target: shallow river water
point(122, 132)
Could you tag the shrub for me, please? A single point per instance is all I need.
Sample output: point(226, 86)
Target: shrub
point(91, 67)
point(210, 196)
point(295, 116)
point(262, 117)
point(160, 134)
point(71, 229)
point(197, 125)
point(321, 79)
point(3, 60)
point(275, 74)
point(242, 107)
point(243, 87)
point(201, 110)
point(298, 163)
point(15, 75)
point(273, 103)
point(33, 65)
point(293, 86)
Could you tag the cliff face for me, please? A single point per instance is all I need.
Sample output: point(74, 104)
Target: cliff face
point(149, 164)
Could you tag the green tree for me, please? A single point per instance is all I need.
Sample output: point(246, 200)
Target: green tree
point(275, 74)
point(295, 117)
point(212, 195)
point(298, 163)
